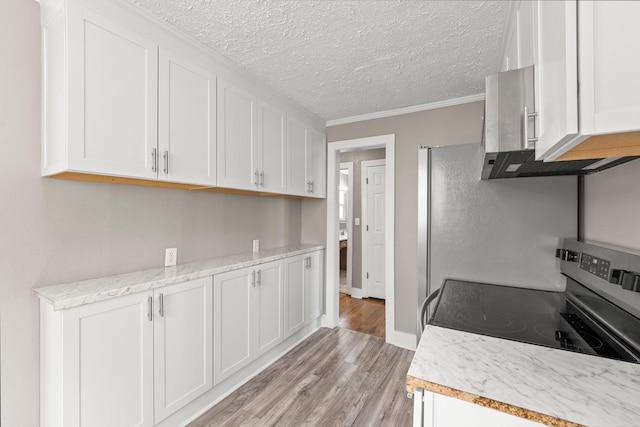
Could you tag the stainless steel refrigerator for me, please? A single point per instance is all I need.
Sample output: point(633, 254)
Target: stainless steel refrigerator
point(499, 231)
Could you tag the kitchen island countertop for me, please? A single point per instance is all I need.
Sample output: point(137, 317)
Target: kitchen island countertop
point(554, 387)
point(79, 293)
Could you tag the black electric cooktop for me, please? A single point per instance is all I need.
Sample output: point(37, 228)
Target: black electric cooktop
point(532, 316)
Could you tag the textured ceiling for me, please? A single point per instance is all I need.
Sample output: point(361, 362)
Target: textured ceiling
point(346, 58)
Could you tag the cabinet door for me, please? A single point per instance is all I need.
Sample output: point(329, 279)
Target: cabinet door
point(232, 322)
point(526, 27)
point(237, 166)
point(297, 158)
point(609, 92)
point(556, 78)
point(183, 348)
point(108, 362)
point(294, 294)
point(187, 111)
point(316, 163)
point(271, 150)
point(268, 313)
point(113, 76)
point(314, 285)
point(448, 411)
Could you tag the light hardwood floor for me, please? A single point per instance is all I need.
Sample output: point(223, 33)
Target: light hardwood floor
point(336, 377)
point(363, 315)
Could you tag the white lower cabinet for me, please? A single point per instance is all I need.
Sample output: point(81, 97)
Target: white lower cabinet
point(103, 363)
point(141, 359)
point(247, 316)
point(183, 344)
point(303, 290)
point(438, 410)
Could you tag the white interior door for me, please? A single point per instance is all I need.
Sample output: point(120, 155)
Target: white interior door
point(373, 245)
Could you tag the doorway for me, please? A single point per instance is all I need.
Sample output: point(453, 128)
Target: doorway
point(331, 316)
point(373, 180)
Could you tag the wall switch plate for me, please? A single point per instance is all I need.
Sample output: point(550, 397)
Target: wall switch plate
point(256, 245)
point(170, 257)
point(356, 221)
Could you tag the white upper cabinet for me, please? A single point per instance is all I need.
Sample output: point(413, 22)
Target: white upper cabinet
point(307, 160)
point(251, 142)
point(609, 37)
point(585, 78)
point(556, 75)
point(525, 23)
point(187, 121)
point(237, 143)
point(316, 163)
point(127, 96)
point(271, 153)
point(106, 121)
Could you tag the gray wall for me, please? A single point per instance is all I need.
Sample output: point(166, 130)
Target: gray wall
point(612, 206)
point(55, 231)
point(355, 240)
point(444, 126)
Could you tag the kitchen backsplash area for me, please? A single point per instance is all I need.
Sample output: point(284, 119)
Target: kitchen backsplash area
point(611, 204)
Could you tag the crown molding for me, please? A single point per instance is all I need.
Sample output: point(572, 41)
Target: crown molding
point(407, 110)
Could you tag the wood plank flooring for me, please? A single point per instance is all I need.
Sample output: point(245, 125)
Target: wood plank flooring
point(363, 315)
point(336, 377)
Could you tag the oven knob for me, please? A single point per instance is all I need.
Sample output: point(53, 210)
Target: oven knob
point(630, 281)
point(616, 276)
point(570, 256)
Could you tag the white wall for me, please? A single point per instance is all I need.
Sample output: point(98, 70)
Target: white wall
point(54, 231)
point(612, 206)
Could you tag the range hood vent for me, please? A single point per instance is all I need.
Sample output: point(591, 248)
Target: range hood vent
point(506, 141)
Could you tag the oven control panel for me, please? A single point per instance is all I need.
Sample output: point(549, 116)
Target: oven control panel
point(594, 265)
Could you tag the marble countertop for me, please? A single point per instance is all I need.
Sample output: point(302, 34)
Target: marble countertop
point(551, 386)
point(68, 295)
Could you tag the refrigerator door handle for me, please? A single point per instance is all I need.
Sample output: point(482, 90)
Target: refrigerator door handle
point(425, 305)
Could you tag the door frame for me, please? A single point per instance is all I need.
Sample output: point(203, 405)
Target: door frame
point(331, 317)
point(365, 220)
point(349, 166)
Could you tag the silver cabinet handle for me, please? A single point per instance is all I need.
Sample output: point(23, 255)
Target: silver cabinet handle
point(527, 143)
point(308, 186)
point(256, 179)
point(165, 156)
point(309, 262)
point(261, 178)
point(311, 186)
point(154, 160)
point(253, 278)
point(259, 277)
point(150, 309)
point(161, 304)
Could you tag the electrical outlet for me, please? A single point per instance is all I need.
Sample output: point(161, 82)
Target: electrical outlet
point(256, 245)
point(170, 257)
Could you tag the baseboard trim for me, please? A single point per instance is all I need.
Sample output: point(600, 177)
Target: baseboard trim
point(403, 340)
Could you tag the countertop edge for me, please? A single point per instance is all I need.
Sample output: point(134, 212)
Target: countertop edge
point(159, 277)
point(413, 382)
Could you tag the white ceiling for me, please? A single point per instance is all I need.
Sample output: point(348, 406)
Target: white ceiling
point(341, 58)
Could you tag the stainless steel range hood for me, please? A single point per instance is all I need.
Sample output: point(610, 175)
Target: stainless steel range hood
point(509, 148)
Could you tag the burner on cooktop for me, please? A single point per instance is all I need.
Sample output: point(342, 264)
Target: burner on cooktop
point(553, 334)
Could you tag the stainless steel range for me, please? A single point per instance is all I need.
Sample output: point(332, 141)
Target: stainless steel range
point(597, 314)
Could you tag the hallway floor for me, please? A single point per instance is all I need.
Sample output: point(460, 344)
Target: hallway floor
point(363, 315)
point(336, 377)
